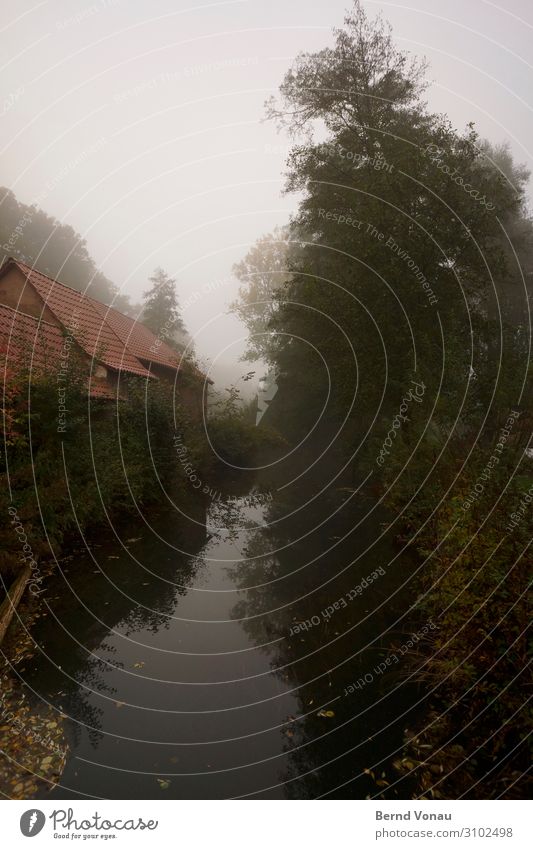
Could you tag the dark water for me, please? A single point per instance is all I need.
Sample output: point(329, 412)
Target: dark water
point(169, 647)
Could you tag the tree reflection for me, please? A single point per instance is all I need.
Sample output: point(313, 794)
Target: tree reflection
point(281, 588)
point(110, 588)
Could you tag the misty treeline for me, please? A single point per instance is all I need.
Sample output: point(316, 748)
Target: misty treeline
point(408, 264)
point(32, 236)
point(29, 234)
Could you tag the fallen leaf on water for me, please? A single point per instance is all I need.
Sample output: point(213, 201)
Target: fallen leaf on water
point(163, 783)
point(119, 704)
point(326, 713)
point(138, 665)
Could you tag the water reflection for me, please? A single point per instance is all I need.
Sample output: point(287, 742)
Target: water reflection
point(291, 589)
point(180, 657)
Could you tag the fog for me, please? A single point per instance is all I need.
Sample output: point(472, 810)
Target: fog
point(141, 124)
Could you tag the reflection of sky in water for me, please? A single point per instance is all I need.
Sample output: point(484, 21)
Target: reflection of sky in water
point(192, 668)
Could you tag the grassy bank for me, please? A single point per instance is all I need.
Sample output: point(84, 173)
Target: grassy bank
point(472, 740)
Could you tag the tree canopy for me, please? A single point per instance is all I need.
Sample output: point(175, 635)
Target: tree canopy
point(404, 246)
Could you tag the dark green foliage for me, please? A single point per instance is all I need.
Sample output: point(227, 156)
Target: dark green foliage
point(397, 204)
point(235, 438)
point(474, 741)
point(111, 458)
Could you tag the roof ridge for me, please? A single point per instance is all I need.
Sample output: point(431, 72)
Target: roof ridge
point(35, 270)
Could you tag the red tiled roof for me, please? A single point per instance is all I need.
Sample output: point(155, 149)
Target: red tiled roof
point(80, 317)
point(25, 339)
point(145, 344)
point(29, 342)
point(115, 339)
point(139, 338)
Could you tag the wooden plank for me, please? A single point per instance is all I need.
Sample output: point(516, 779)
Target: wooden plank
point(10, 603)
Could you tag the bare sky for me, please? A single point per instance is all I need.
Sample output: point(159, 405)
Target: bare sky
point(139, 122)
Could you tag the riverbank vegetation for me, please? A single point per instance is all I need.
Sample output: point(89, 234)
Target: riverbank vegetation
point(109, 459)
point(408, 264)
point(237, 440)
point(106, 463)
point(74, 463)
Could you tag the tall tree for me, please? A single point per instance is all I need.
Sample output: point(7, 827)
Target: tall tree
point(161, 309)
point(402, 247)
point(415, 261)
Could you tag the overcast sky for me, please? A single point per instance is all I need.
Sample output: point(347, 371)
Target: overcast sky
point(139, 122)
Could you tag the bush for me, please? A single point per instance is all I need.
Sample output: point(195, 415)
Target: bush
point(110, 458)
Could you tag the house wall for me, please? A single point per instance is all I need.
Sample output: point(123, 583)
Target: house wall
point(17, 293)
point(191, 396)
point(111, 381)
point(189, 390)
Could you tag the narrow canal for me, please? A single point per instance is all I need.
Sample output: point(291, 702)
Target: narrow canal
point(213, 655)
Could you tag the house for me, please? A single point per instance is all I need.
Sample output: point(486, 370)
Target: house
point(43, 320)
